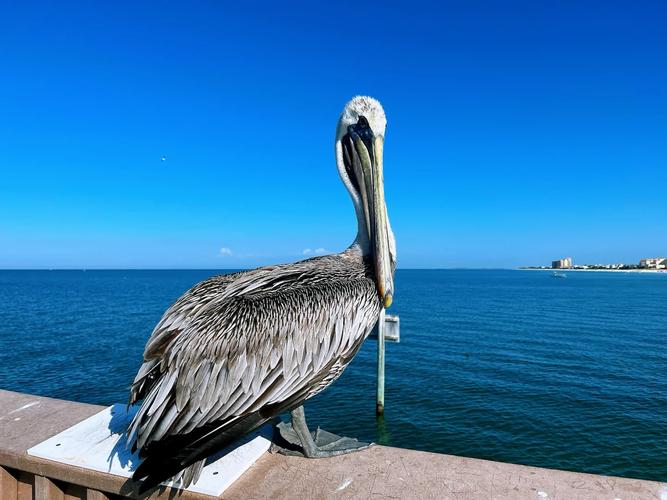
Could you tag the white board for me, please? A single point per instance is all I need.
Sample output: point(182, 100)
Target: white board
point(98, 443)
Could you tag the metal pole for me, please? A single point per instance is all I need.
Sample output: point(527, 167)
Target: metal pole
point(379, 404)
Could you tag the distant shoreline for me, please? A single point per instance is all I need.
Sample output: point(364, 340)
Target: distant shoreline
point(652, 271)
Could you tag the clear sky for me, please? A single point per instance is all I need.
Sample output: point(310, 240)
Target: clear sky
point(518, 132)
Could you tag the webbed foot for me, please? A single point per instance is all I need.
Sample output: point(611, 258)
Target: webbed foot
point(296, 440)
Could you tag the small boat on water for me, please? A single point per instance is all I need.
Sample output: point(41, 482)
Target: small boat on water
point(559, 275)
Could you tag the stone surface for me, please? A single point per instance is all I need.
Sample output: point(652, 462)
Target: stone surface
point(379, 472)
point(383, 472)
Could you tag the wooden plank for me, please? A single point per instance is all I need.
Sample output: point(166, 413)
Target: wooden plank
point(46, 489)
point(95, 495)
point(8, 485)
point(97, 444)
point(75, 492)
point(26, 486)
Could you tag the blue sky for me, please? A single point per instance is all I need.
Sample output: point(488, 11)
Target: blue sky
point(518, 132)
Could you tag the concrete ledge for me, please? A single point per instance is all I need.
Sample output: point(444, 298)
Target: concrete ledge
point(379, 472)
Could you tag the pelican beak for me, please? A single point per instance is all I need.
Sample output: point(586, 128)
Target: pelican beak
point(379, 232)
point(363, 158)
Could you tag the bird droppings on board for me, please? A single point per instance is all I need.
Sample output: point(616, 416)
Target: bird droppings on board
point(344, 484)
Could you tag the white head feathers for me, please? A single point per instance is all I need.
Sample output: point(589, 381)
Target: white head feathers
point(358, 106)
point(362, 106)
point(372, 110)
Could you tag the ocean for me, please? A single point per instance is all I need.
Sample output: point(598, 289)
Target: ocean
point(513, 366)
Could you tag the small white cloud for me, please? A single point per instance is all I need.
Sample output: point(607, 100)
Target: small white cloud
point(224, 251)
point(316, 251)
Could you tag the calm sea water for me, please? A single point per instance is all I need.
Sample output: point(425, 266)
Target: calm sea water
point(512, 366)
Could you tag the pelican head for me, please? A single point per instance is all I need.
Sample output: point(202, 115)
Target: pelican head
point(359, 145)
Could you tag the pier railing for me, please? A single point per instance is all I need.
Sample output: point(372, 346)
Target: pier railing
point(377, 472)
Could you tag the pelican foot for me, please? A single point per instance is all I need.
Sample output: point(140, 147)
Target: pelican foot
point(295, 440)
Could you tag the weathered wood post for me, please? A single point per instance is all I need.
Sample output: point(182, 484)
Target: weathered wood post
point(379, 403)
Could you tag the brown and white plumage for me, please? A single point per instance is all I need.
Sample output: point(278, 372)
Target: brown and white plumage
point(238, 349)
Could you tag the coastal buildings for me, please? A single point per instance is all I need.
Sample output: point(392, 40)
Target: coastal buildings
point(654, 263)
point(649, 265)
point(565, 263)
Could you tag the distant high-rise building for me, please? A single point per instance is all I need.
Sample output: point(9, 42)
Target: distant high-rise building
point(565, 263)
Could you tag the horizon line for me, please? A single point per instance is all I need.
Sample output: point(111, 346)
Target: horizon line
point(83, 269)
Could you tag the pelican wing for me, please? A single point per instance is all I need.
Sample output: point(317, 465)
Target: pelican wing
point(174, 321)
point(233, 353)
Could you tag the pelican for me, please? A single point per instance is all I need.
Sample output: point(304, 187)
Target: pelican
point(237, 350)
